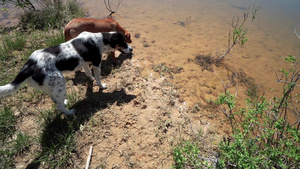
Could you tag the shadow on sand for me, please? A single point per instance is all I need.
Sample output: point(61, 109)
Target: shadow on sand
point(59, 130)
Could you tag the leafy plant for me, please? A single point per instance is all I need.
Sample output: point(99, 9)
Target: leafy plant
point(261, 135)
point(186, 153)
point(237, 36)
point(261, 139)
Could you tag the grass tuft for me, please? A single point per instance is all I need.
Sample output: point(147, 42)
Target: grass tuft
point(57, 140)
point(10, 43)
point(7, 123)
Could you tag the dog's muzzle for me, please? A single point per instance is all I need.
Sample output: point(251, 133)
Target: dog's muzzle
point(128, 50)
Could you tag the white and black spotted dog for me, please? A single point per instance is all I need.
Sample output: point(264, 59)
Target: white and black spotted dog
point(44, 68)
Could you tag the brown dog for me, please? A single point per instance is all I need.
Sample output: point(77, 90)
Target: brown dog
point(78, 25)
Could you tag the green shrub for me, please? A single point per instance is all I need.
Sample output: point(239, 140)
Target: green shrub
point(261, 135)
point(186, 154)
point(261, 139)
point(53, 14)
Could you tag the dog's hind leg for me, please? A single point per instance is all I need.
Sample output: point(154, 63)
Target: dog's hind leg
point(97, 72)
point(87, 70)
point(59, 97)
point(58, 93)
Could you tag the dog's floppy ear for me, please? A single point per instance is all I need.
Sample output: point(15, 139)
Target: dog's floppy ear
point(116, 39)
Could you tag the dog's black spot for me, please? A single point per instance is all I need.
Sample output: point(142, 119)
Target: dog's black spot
point(114, 39)
point(55, 50)
point(67, 63)
point(106, 38)
point(88, 50)
point(30, 69)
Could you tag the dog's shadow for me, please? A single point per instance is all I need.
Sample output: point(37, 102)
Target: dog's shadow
point(59, 129)
point(107, 67)
point(100, 100)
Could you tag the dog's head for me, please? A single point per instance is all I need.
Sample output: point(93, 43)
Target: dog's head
point(128, 37)
point(117, 41)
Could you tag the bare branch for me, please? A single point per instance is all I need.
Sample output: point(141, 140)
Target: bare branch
point(108, 7)
point(296, 32)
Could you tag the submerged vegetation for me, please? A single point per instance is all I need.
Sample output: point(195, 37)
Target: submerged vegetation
point(236, 38)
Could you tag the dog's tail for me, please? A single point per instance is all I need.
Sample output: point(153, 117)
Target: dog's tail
point(9, 89)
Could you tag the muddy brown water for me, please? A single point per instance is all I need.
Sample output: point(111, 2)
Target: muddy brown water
point(175, 31)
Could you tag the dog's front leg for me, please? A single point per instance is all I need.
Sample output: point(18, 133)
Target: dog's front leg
point(97, 72)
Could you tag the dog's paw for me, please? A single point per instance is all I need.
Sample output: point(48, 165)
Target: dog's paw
point(103, 86)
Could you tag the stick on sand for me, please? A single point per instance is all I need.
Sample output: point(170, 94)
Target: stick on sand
point(89, 158)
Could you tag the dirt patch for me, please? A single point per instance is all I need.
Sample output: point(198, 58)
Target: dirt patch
point(141, 132)
point(134, 123)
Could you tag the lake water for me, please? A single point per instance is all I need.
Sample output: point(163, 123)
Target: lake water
point(208, 22)
point(178, 30)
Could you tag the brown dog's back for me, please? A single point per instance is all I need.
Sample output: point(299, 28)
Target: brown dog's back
point(78, 25)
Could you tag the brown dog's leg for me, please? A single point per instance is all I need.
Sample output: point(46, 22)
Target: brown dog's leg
point(113, 57)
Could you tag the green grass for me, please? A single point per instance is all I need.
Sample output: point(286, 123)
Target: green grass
point(7, 123)
point(10, 43)
point(21, 143)
point(57, 139)
point(10, 145)
point(58, 38)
